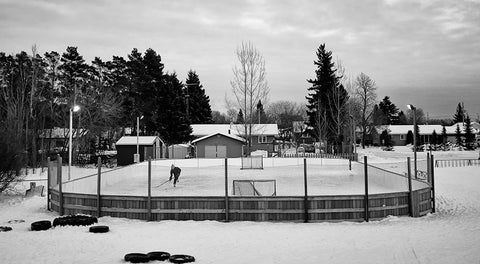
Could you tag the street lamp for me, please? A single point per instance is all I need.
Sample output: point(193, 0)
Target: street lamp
point(414, 110)
point(136, 158)
point(75, 108)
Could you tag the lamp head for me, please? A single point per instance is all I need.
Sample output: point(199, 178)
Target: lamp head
point(411, 107)
point(76, 108)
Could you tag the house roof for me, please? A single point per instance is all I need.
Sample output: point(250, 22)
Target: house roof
point(223, 134)
point(424, 129)
point(200, 130)
point(132, 140)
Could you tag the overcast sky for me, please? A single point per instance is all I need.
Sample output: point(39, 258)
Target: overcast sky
point(424, 52)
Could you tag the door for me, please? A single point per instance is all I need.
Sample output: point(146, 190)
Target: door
point(221, 151)
point(210, 151)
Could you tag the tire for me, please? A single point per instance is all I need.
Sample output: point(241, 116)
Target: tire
point(75, 220)
point(181, 259)
point(158, 255)
point(5, 228)
point(137, 258)
point(99, 229)
point(41, 225)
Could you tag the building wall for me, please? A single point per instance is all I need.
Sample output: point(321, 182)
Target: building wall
point(268, 146)
point(125, 153)
point(234, 147)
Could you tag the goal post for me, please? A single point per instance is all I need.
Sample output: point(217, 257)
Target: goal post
point(254, 187)
point(252, 162)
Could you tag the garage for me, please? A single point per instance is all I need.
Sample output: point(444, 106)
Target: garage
point(219, 145)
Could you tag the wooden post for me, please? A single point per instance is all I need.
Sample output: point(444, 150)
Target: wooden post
point(227, 209)
point(365, 201)
point(428, 167)
point(305, 202)
point(99, 183)
point(59, 179)
point(432, 172)
point(410, 192)
point(350, 163)
point(149, 201)
point(48, 183)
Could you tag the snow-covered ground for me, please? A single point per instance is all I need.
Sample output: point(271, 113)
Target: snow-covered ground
point(452, 235)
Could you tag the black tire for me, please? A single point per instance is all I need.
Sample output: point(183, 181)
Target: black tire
point(41, 225)
point(158, 255)
point(75, 220)
point(181, 259)
point(137, 258)
point(99, 229)
point(5, 228)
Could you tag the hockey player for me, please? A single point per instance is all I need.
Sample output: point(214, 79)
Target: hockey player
point(175, 173)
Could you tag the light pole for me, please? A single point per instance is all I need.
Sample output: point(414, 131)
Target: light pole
point(414, 110)
point(137, 156)
point(353, 136)
point(75, 108)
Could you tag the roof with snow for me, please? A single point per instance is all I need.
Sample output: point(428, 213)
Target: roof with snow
point(223, 134)
point(200, 130)
point(132, 140)
point(424, 129)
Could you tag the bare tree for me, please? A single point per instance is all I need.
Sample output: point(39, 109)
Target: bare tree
point(284, 113)
point(366, 94)
point(249, 85)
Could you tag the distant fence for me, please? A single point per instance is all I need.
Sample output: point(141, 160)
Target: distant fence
point(417, 201)
point(352, 156)
point(457, 163)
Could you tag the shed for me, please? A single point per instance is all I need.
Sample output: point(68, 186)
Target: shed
point(179, 151)
point(219, 145)
point(149, 147)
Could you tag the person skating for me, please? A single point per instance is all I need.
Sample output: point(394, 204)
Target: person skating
point(175, 173)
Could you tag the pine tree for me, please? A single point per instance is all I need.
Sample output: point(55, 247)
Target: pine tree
point(198, 102)
point(402, 119)
point(444, 137)
point(409, 137)
point(458, 136)
point(385, 138)
point(260, 115)
point(73, 73)
point(326, 100)
point(378, 116)
point(389, 110)
point(434, 140)
point(469, 135)
point(240, 118)
point(459, 115)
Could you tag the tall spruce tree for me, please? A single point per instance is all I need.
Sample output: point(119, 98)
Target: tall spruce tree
point(459, 115)
point(389, 110)
point(469, 135)
point(458, 136)
point(444, 137)
point(198, 102)
point(326, 100)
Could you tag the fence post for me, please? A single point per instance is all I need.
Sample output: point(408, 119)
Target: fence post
point(410, 193)
point(428, 167)
point(350, 163)
point(99, 181)
point(48, 183)
point(227, 209)
point(433, 185)
point(366, 188)
point(305, 202)
point(59, 179)
point(149, 199)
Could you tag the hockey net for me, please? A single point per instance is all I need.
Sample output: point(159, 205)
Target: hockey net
point(254, 188)
point(252, 162)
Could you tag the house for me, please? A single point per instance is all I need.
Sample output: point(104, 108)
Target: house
point(149, 147)
point(57, 138)
point(263, 135)
point(219, 145)
point(398, 133)
point(179, 151)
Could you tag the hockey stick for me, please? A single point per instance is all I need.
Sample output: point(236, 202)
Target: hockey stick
point(162, 183)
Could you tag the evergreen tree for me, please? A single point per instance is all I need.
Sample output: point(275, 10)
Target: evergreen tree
point(402, 119)
point(260, 115)
point(386, 139)
point(444, 137)
point(326, 100)
point(378, 116)
point(240, 118)
point(459, 115)
point(469, 135)
point(458, 136)
point(389, 110)
point(73, 73)
point(170, 116)
point(409, 137)
point(434, 140)
point(419, 140)
point(198, 102)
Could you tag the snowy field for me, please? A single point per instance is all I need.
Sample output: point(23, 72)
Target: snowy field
point(452, 235)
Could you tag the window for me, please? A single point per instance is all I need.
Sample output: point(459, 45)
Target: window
point(403, 137)
point(262, 139)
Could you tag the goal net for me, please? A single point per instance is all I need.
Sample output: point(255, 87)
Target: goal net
point(252, 162)
point(254, 188)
